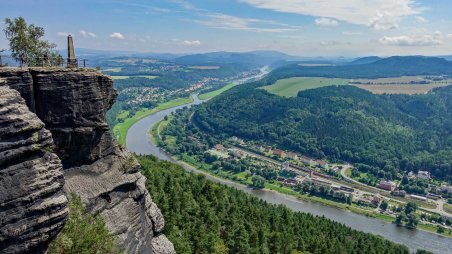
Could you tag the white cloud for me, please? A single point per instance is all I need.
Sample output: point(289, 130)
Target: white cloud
point(87, 34)
point(449, 36)
point(191, 43)
point(377, 14)
point(421, 20)
point(384, 21)
point(351, 33)
point(223, 21)
point(117, 35)
point(329, 43)
point(413, 40)
point(63, 34)
point(326, 22)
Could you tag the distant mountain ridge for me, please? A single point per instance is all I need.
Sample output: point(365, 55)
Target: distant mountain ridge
point(387, 67)
point(365, 60)
point(257, 58)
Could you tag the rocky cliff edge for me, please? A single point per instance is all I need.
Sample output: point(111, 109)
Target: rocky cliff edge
point(72, 103)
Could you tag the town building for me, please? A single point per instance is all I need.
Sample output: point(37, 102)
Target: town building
point(322, 164)
point(279, 153)
point(386, 185)
point(306, 160)
point(219, 147)
point(376, 199)
point(423, 175)
point(292, 156)
point(433, 196)
point(399, 193)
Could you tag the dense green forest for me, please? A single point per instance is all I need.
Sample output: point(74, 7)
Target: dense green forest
point(387, 134)
point(206, 217)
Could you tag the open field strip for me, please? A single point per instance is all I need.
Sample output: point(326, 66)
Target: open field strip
point(291, 86)
point(399, 88)
point(210, 95)
point(127, 77)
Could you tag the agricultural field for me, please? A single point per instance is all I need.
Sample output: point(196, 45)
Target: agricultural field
point(291, 86)
point(402, 85)
point(404, 80)
point(400, 89)
point(117, 69)
point(210, 95)
point(127, 77)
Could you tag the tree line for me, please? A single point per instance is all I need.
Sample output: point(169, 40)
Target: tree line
point(206, 217)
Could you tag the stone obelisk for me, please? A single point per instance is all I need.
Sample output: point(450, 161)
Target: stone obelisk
point(71, 60)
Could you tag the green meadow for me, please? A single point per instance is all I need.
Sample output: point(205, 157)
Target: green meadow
point(291, 86)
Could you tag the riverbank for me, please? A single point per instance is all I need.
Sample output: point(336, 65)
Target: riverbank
point(120, 130)
point(203, 167)
point(138, 142)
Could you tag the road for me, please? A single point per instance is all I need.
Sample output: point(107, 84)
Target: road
point(349, 179)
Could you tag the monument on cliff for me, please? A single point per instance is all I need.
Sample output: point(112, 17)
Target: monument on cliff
point(71, 60)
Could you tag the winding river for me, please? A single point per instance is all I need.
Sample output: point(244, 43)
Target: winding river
point(138, 141)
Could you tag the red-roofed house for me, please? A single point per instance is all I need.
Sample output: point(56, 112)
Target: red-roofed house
point(279, 153)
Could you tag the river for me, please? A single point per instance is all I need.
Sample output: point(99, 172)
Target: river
point(138, 141)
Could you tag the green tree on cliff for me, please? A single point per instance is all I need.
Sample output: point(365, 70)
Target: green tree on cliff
point(83, 233)
point(27, 39)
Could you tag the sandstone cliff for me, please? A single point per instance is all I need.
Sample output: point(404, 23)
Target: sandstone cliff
point(33, 207)
point(72, 103)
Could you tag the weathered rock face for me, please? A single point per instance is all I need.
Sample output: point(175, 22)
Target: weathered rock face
point(33, 207)
point(72, 103)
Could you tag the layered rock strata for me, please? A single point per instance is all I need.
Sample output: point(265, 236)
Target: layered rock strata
point(72, 103)
point(33, 207)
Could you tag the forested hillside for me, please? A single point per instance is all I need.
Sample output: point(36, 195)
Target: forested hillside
point(387, 133)
point(205, 217)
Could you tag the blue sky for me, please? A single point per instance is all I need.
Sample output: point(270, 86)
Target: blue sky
point(300, 27)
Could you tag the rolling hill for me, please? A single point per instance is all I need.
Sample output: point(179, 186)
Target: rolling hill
point(388, 133)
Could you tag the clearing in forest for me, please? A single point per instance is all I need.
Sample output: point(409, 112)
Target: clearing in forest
point(291, 86)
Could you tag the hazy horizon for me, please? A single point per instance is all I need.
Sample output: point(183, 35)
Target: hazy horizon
point(297, 27)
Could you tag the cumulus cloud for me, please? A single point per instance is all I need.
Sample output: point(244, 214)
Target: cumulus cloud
point(191, 43)
point(413, 40)
point(449, 36)
point(63, 34)
point(326, 22)
point(421, 20)
point(377, 14)
point(87, 34)
point(384, 21)
point(117, 35)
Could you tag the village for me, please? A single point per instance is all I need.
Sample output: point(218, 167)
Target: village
point(302, 173)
